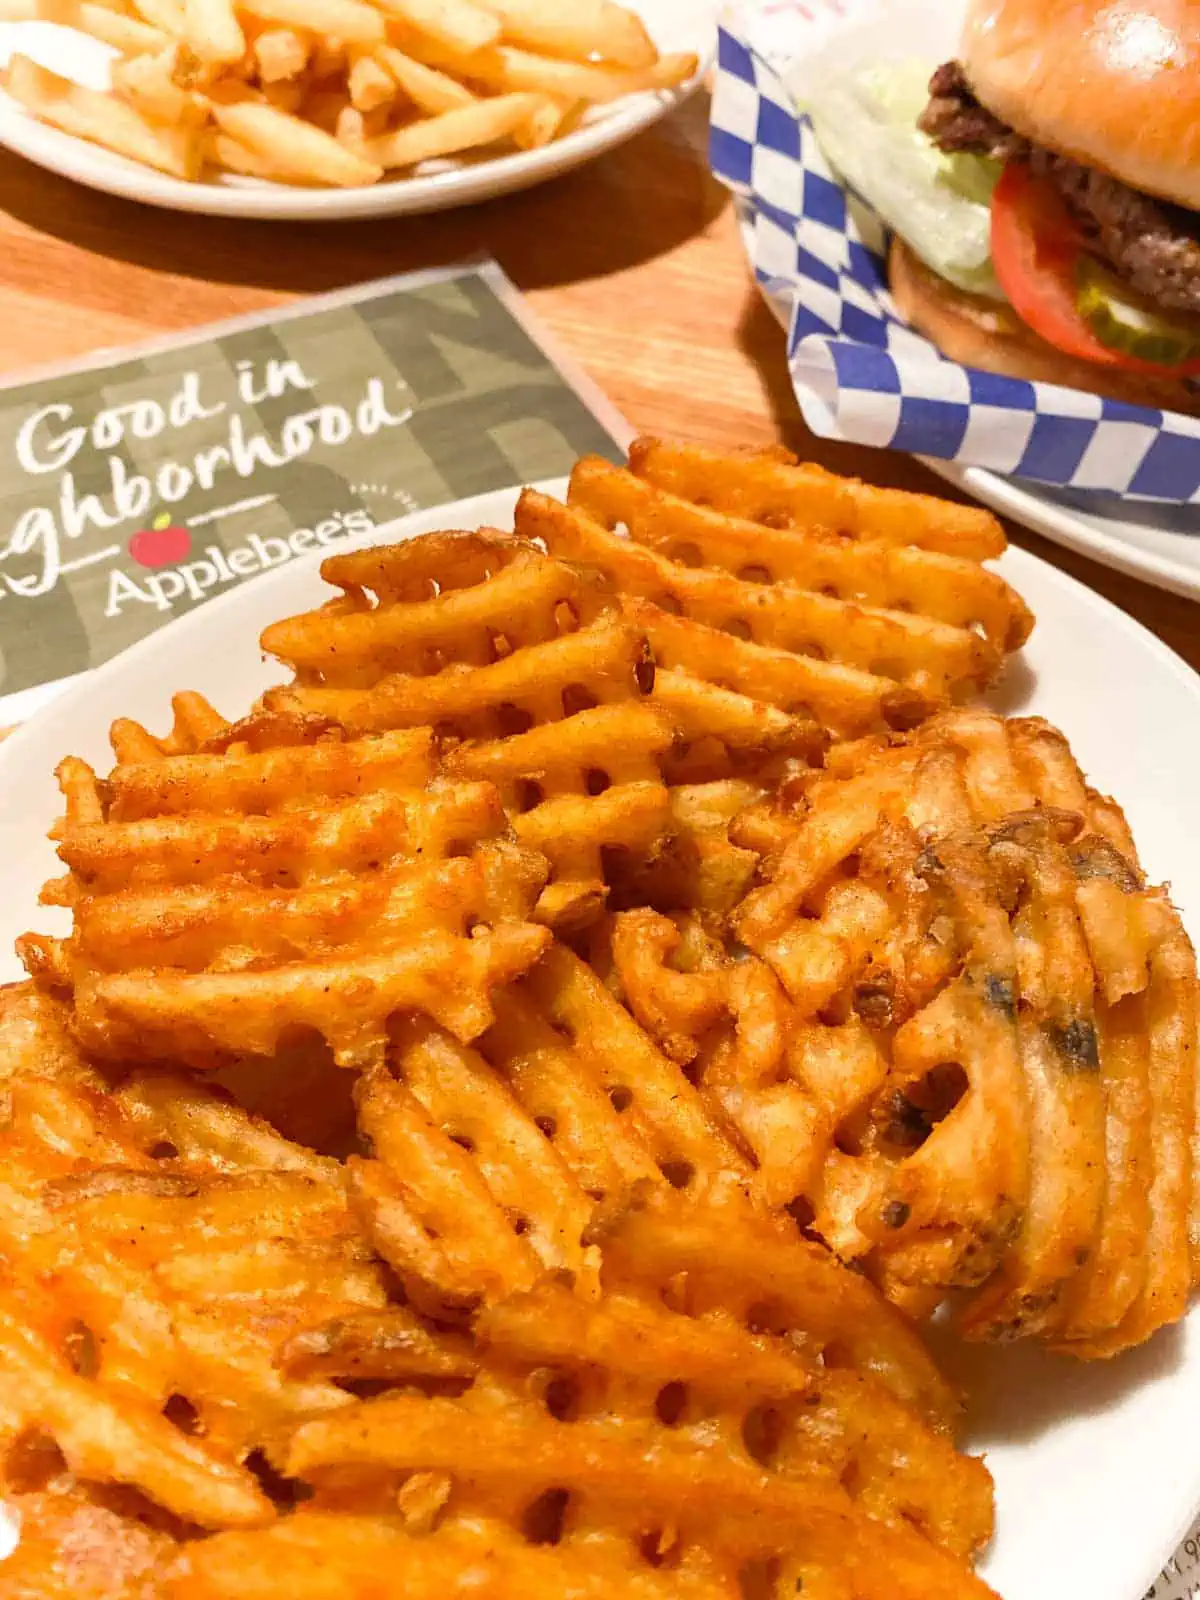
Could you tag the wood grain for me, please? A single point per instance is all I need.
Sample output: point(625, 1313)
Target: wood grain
point(633, 262)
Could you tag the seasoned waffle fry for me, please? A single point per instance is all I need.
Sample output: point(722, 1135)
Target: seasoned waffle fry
point(919, 650)
point(515, 659)
point(768, 599)
point(891, 577)
point(626, 1440)
point(991, 1122)
point(224, 901)
point(303, 1556)
point(179, 1262)
point(520, 664)
point(545, 1296)
point(770, 487)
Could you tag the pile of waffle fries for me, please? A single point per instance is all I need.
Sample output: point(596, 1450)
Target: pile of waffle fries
point(506, 1105)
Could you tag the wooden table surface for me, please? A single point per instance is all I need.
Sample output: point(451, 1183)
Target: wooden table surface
point(633, 262)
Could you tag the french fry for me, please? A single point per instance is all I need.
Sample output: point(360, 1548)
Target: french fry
point(466, 129)
point(354, 128)
point(371, 86)
point(431, 91)
point(164, 14)
point(323, 107)
point(392, 83)
point(350, 128)
point(292, 149)
point(103, 120)
point(328, 59)
point(458, 26)
point(286, 95)
point(280, 53)
point(112, 26)
point(230, 91)
point(351, 21)
point(212, 32)
point(146, 82)
point(508, 71)
point(544, 125)
point(583, 31)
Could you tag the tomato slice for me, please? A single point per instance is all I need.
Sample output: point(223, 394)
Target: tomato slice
point(1036, 249)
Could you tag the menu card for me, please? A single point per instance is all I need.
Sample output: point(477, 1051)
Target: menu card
point(138, 485)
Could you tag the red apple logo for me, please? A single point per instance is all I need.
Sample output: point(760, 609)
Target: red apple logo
point(161, 545)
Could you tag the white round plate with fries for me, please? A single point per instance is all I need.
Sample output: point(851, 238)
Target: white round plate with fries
point(332, 109)
point(1096, 1471)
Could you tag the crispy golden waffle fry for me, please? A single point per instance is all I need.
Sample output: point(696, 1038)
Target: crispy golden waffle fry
point(603, 1422)
point(624, 1417)
point(962, 1043)
point(529, 680)
point(659, 1003)
point(782, 606)
point(534, 683)
point(232, 897)
point(149, 1277)
point(771, 488)
point(615, 1412)
point(318, 1554)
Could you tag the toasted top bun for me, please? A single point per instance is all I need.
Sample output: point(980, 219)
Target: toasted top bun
point(982, 333)
point(1113, 83)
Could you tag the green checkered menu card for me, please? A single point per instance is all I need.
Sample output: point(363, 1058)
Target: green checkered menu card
point(139, 485)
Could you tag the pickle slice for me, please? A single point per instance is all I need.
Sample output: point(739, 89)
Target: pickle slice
point(1125, 321)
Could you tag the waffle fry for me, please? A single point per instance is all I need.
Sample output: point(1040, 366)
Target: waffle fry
point(668, 1003)
point(314, 1549)
point(226, 1261)
point(785, 586)
point(519, 665)
point(956, 1074)
point(771, 488)
point(533, 683)
point(545, 1368)
point(640, 1399)
point(224, 901)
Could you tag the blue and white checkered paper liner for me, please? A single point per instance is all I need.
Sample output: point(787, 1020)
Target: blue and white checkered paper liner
point(859, 372)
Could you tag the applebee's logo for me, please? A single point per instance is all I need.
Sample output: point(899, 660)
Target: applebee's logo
point(163, 544)
point(173, 572)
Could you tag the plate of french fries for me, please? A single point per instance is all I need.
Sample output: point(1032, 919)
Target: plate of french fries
point(336, 108)
point(619, 1049)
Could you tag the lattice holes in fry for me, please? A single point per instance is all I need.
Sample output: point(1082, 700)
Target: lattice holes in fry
point(533, 682)
point(862, 607)
point(689, 1395)
point(961, 1042)
point(706, 981)
point(232, 889)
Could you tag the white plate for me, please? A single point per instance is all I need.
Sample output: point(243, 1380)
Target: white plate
point(677, 25)
point(1159, 544)
point(1096, 1468)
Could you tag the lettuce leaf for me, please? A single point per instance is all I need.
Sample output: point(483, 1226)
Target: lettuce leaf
point(867, 127)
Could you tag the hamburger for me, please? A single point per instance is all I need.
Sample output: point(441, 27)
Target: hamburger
point(1065, 243)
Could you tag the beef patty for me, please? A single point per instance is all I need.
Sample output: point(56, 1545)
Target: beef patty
point(1153, 245)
